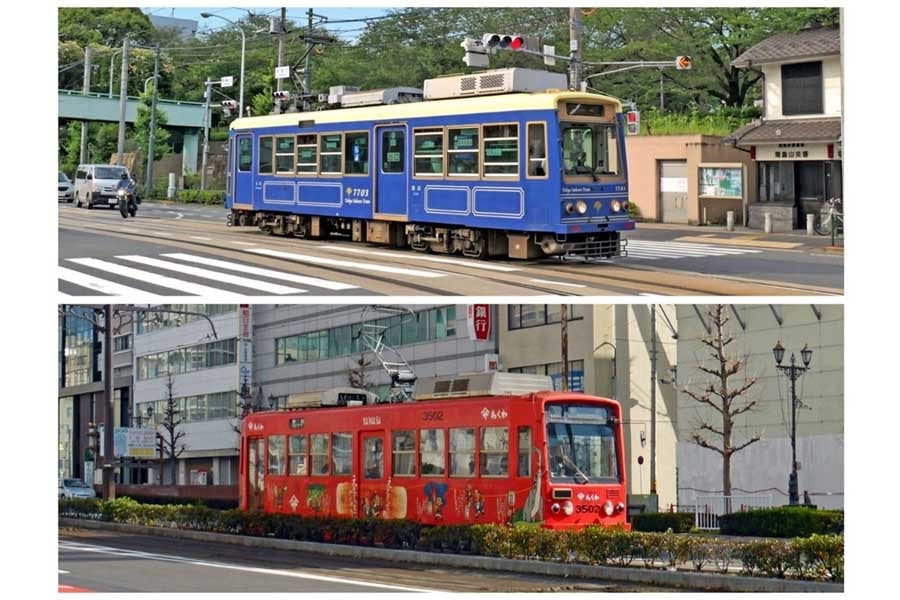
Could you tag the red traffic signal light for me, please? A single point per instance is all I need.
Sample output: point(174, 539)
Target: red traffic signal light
point(517, 43)
point(503, 41)
point(229, 104)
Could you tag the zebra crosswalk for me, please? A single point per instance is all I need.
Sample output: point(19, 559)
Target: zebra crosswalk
point(183, 274)
point(652, 250)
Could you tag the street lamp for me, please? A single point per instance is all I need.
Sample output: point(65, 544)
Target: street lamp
point(794, 372)
point(207, 15)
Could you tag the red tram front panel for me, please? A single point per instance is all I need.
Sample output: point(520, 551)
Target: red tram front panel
point(537, 457)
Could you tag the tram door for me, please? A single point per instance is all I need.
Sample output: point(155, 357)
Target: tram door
point(242, 172)
point(391, 179)
point(372, 474)
point(256, 469)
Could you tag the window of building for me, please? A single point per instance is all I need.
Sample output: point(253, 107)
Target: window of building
point(501, 150)
point(266, 146)
point(306, 154)
point(276, 455)
point(428, 153)
point(356, 158)
point(576, 374)
point(801, 89)
point(776, 181)
point(297, 455)
point(341, 453)
point(153, 320)
point(392, 144)
point(318, 453)
point(122, 342)
point(431, 452)
point(524, 449)
point(521, 316)
point(330, 152)
point(245, 154)
point(284, 154)
point(404, 453)
point(537, 150)
point(462, 154)
point(373, 458)
point(462, 452)
point(494, 451)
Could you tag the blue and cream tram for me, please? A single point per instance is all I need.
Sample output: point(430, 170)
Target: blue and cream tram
point(520, 174)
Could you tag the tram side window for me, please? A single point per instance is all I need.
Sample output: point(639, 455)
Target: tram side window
point(428, 158)
point(330, 152)
point(431, 451)
point(392, 151)
point(462, 452)
point(265, 155)
point(276, 455)
point(537, 150)
point(494, 451)
point(373, 460)
point(404, 453)
point(284, 155)
point(245, 154)
point(501, 150)
point(356, 157)
point(297, 455)
point(462, 153)
point(318, 453)
point(306, 154)
point(524, 449)
point(340, 453)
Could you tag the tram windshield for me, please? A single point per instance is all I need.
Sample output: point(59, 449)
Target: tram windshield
point(590, 149)
point(581, 442)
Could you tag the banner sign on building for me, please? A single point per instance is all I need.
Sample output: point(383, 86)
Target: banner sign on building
point(722, 182)
point(479, 322)
point(491, 362)
point(245, 350)
point(134, 442)
point(576, 381)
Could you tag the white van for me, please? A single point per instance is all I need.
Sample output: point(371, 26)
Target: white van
point(96, 185)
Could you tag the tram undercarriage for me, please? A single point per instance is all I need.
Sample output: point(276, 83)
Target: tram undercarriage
point(436, 239)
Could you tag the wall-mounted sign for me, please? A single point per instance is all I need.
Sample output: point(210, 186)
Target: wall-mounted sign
point(479, 322)
point(282, 72)
point(227, 81)
point(722, 182)
point(134, 442)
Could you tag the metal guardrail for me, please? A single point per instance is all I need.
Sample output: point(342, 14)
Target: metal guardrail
point(708, 509)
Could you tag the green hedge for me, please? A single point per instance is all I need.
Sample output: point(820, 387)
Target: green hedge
point(201, 196)
point(677, 522)
point(782, 522)
point(818, 557)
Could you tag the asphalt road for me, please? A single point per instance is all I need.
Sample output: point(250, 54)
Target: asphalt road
point(185, 250)
point(112, 562)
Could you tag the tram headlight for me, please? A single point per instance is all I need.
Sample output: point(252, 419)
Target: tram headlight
point(620, 507)
point(608, 508)
point(581, 206)
point(554, 508)
point(616, 206)
point(570, 208)
point(568, 508)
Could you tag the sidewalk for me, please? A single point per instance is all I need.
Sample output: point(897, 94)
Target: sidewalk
point(746, 237)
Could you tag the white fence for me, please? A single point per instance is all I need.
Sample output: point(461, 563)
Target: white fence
point(708, 509)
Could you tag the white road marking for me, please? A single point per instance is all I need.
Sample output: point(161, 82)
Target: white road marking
point(651, 250)
point(200, 237)
point(159, 233)
point(66, 545)
point(61, 572)
point(99, 285)
point(180, 216)
point(253, 284)
point(245, 243)
point(438, 259)
point(364, 266)
point(128, 230)
point(152, 278)
point(577, 285)
point(301, 279)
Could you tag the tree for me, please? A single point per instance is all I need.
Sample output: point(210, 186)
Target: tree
point(356, 372)
point(722, 396)
point(142, 128)
point(71, 149)
point(107, 26)
point(171, 421)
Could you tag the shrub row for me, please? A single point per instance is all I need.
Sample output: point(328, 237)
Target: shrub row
point(783, 522)
point(819, 557)
point(677, 522)
point(201, 196)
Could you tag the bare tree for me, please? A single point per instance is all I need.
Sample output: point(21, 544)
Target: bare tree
point(722, 395)
point(356, 372)
point(171, 421)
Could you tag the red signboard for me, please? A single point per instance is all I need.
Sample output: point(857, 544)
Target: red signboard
point(479, 321)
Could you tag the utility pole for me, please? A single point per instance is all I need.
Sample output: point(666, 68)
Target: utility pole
point(575, 48)
point(662, 93)
point(206, 119)
point(307, 75)
point(108, 459)
point(112, 73)
point(85, 90)
point(653, 399)
point(123, 103)
point(564, 341)
point(281, 28)
point(148, 181)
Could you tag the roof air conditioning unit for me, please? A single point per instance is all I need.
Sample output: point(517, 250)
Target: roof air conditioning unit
point(498, 81)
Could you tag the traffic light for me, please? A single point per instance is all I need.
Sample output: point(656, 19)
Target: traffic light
point(503, 41)
point(281, 95)
point(633, 122)
point(476, 55)
point(229, 104)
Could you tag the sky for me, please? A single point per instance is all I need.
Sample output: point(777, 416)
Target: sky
point(347, 31)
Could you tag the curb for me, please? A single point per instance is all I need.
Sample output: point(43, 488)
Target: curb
point(710, 582)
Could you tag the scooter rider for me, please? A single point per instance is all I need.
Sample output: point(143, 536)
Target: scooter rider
point(127, 201)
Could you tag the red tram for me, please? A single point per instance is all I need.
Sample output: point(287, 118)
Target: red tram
point(550, 457)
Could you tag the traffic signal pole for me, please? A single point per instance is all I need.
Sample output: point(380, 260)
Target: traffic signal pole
point(107, 461)
point(206, 119)
point(123, 104)
point(85, 89)
point(575, 48)
point(148, 181)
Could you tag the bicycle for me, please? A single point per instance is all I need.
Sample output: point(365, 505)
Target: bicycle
point(832, 220)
